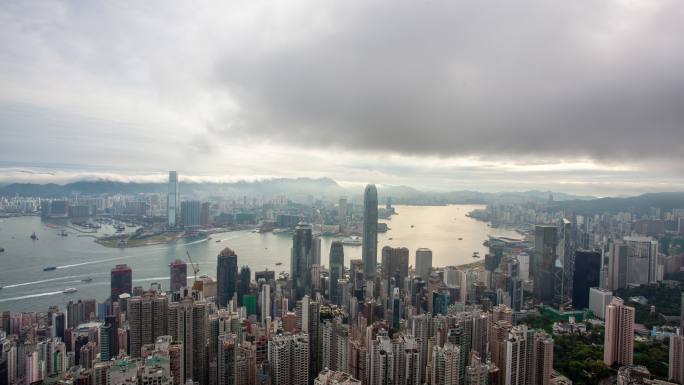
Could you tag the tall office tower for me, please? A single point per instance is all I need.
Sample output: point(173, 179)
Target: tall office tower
point(188, 321)
point(121, 281)
point(395, 261)
point(316, 250)
point(676, 364)
point(191, 214)
point(618, 344)
point(243, 283)
point(544, 262)
point(369, 251)
point(542, 359)
point(599, 299)
point(147, 319)
point(265, 303)
point(205, 214)
point(681, 313)
point(178, 272)
point(172, 199)
point(446, 365)
point(587, 275)
point(423, 263)
point(336, 269)
point(617, 265)
point(288, 357)
point(334, 345)
point(227, 354)
point(342, 212)
point(226, 275)
point(565, 265)
point(300, 266)
point(643, 260)
point(395, 309)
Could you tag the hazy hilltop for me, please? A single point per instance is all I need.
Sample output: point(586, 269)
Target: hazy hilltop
point(296, 189)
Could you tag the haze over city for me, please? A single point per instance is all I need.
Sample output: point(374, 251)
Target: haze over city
point(577, 97)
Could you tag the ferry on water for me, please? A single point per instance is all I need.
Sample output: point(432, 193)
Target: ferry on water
point(70, 290)
point(49, 268)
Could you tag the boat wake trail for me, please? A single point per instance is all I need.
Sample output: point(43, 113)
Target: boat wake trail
point(93, 262)
point(30, 296)
point(42, 281)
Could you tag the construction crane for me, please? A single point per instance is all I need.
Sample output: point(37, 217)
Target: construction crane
point(197, 284)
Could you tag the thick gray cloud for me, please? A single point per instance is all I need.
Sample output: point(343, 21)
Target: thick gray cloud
point(493, 94)
point(493, 78)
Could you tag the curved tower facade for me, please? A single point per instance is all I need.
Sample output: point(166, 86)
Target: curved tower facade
point(369, 253)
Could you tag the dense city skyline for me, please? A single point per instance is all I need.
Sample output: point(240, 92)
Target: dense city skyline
point(343, 192)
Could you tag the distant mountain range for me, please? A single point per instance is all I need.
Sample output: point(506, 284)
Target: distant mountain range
point(296, 189)
point(638, 204)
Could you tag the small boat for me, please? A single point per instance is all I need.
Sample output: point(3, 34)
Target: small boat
point(2, 249)
point(49, 268)
point(70, 290)
point(34, 236)
point(389, 239)
point(0, 287)
point(63, 233)
point(87, 280)
point(476, 254)
point(218, 240)
point(412, 226)
point(460, 239)
point(278, 263)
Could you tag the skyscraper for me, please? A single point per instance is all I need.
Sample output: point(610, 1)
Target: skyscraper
point(147, 319)
point(336, 268)
point(643, 260)
point(301, 261)
point(191, 214)
point(244, 281)
point(395, 263)
point(187, 323)
point(676, 361)
point(617, 265)
point(178, 273)
point(423, 263)
point(121, 281)
point(544, 262)
point(227, 354)
point(288, 356)
point(369, 251)
point(542, 359)
point(618, 344)
point(587, 275)
point(226, 276)
point(172, 199)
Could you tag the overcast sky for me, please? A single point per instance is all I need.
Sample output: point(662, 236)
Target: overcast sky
point(576, 96)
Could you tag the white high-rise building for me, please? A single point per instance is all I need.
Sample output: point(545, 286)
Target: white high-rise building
point(172, 199)
point(265, 302)
point(598, 300)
